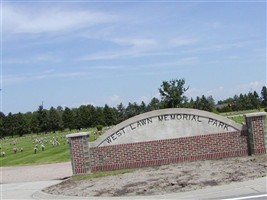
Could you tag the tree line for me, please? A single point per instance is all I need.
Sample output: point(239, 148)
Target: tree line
point(172, 95)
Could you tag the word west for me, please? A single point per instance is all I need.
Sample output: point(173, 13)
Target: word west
point(164, 118)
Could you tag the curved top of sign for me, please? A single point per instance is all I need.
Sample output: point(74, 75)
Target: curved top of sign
point(166, 124)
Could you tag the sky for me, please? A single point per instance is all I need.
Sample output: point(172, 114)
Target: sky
point(72, 53)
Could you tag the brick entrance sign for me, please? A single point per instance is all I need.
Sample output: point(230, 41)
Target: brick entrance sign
point(257, 133)
point(79, 151)
point(168, 136)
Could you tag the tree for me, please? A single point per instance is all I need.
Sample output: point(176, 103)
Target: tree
point(84, 116)
point(60, 109)
point(207, 103)
point(55, 121)
point(77, 118)
point(9, 125)
point(97, 116)
point(264, 96)
point(121, 113)
point(204, 103)
point(190, 103)
point(34, 123)
point(143, 107)
point(154, 104)
point(43, 120)
point(21, 127)
point(132, 110)
point(210, 104)
point(172, 93)
point(255, 100)
point(2, 118)
point(109, 115)
point(68, 119)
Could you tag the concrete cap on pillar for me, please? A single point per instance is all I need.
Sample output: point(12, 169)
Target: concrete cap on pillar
point(257, 114)
point(77, 134)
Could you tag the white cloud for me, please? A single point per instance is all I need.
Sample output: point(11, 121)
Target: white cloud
point(182, 63)
point(114, 99)
point(106, 55)
point(24, 20)
point(221, 93)
point(194, 92)
point(130, 53)
point(252, 86)
point(135, 53)
point(34, 58)
point(48, 74)
point(132, 47)
point(136, 42)
point(215, 47)
point(145, 99)
point(181, 41)
point(233, 57)
point(78, 104)
point(47, 57)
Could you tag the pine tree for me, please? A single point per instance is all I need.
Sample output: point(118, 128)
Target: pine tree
point(2, 118)
point(109, 116)
point(21, 127)
point(43, 120)
point(264, 96)
point(55, 121)
point(68, 119)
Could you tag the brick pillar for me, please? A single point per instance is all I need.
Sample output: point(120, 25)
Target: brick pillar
point(79, 152)
point(257, 133)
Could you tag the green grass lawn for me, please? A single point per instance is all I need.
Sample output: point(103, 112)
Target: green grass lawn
point(60, 153)
point(243, 112)
point(240, 119)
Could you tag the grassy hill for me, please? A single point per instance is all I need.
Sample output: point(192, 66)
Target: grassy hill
point(25, 145)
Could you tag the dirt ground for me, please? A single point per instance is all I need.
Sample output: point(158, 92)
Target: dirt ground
point(179, 177)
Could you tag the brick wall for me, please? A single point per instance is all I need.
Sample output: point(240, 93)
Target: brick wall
point(258, 127)
point(256, 134)
point(79, 150)
point(144, 154)
point(78, 156)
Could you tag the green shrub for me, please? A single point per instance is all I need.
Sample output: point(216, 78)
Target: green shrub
point(265, 109)
point(99, 127)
